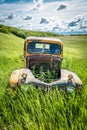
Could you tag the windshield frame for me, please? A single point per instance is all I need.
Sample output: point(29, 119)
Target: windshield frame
point(46, 49)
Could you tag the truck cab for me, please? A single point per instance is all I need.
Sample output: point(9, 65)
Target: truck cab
point(43, 52)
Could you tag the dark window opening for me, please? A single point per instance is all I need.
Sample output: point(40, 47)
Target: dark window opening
point(47, 48)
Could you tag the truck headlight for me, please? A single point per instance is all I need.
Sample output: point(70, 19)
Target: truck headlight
point(70, 89)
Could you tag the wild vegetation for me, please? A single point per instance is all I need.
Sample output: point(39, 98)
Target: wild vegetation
point(23, 33)
point(34, 109)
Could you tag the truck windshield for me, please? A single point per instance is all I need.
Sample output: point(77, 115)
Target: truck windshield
point(47, 48)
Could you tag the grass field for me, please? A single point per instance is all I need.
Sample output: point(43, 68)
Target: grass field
point(35, 110)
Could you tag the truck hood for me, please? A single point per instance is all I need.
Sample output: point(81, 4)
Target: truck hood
point(43, 61)
point(43, 58)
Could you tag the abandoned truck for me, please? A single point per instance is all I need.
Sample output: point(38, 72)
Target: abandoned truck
point(48, 54)
point(45, 53)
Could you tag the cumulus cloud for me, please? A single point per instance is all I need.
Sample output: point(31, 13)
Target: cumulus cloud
point(84, 25)
point(74, 22)
point(38, 1)
point(61, 7)
point(38, 4)
point(44, 20)
point(27, 18)
point(11, 16)
point(55, 28)
point(50, 18)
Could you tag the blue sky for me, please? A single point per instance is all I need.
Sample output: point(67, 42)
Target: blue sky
point(13, 1)
point(60, 16)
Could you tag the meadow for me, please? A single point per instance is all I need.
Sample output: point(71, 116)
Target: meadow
point(33, 109)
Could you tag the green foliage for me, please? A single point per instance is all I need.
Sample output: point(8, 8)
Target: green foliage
point(35, 109)
point(24, 33)
point(3, 29)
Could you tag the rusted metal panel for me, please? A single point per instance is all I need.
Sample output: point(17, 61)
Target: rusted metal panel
point(25, 76)
point(36, 59)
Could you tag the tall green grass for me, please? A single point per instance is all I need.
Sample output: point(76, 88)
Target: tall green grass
point(36, 109)
point(33, 110)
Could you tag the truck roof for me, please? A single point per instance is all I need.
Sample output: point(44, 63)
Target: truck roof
point(44, 39)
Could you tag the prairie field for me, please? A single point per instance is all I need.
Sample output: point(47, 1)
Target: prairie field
point(33, 109)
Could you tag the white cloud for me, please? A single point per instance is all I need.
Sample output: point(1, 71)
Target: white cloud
point(24, 16)
point(61, 7)
point(38, 1)
point(44, 21)
point(27, 18)
point(74, 22)
point(38, 4)
point(11, 16)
